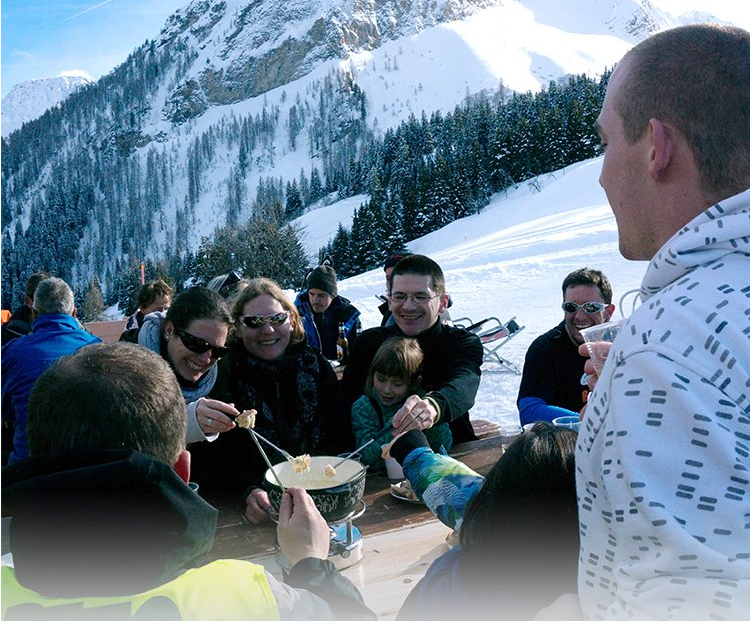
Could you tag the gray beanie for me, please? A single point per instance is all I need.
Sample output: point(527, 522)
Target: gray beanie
point(323, 277)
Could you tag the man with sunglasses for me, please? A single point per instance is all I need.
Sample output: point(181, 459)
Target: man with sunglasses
point(551, 382)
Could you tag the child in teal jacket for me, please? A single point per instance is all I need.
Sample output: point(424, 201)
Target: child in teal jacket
point(394, 375)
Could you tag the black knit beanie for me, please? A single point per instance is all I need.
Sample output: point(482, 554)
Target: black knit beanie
point(323, 277)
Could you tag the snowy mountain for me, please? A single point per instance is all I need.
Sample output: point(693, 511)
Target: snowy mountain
point(208, 124)
point(29, 100)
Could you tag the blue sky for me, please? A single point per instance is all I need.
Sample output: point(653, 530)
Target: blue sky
point(42, 38)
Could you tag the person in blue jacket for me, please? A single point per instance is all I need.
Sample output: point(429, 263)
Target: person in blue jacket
point(551, 381)
point(55, 332)
point(323, 311)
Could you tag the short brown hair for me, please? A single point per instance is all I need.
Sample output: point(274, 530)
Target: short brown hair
point(151, 290)
point(397, 357)
point(108, 396)
point(33, 282)
point(695, 77)
point(420, 265)
point(587, 276)
point(265, 286)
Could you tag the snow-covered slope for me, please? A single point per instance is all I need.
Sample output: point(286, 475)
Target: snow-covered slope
point(510, 260)
point(29, 100)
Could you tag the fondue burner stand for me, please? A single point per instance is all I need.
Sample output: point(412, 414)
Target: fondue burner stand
point(346, 547)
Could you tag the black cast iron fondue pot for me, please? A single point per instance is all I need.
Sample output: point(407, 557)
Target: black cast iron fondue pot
point(336, 496)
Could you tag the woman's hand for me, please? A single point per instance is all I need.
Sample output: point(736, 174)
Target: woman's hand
point(215, 416)
point(302, 531)
point(257, 505)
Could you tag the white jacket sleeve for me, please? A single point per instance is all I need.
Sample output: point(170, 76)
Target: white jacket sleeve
point(194, 431)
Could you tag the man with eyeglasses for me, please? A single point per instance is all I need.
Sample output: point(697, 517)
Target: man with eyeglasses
point(452, 356)
point(551, 381)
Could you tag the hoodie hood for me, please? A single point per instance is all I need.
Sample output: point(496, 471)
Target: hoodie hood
point(104, 522)
point(721, 229)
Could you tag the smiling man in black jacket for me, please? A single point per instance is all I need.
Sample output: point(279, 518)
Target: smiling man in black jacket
point(452, 356)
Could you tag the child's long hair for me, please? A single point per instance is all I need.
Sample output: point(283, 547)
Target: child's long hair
point(396, 357)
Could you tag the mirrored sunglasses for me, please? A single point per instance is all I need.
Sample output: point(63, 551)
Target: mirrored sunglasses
point(199, 346)
point(590, 308)
point(257, 321)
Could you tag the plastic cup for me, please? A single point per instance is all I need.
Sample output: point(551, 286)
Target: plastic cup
point(508, 433)
point(393, 469)
point(604, 332)
point(568, 422)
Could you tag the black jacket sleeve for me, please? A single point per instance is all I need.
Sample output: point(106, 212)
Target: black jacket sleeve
point(358, 365)
point(453, 371)
point(338, 436)
point(324, 580)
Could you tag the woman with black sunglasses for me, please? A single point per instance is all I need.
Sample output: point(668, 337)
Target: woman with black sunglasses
point(272, 369)
point(191, 336)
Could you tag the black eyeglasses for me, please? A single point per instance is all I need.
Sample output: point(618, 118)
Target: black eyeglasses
point(590, 308)
point(199, 346)
point(419, 298)
point(257, 321)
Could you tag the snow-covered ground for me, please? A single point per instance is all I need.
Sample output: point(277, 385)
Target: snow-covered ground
point(508, 261)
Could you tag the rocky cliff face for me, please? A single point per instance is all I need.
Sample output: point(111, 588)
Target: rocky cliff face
point(262, 44)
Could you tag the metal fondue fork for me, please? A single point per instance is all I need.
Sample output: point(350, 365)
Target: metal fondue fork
point(354, 452)
point(255, 437)
point(287, 455)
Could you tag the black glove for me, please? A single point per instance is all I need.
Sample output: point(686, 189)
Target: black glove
point(407, 443)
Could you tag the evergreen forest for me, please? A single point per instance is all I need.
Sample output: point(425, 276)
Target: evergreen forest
point(106, 200)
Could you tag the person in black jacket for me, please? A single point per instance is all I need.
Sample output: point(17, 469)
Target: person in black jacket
point(293, 388)
point(104, 525)
point(19, 323)
point(551, 381)
point(452, 356)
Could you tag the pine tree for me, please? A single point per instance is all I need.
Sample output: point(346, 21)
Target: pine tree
point(293, 201)
point(316, 186)
point(93, 304)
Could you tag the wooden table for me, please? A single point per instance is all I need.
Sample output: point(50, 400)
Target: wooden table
point(400, 539)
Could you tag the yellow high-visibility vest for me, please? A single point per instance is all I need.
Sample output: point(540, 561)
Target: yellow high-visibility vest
point(223, 590)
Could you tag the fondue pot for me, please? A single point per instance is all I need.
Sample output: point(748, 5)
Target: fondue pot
point(335, 497)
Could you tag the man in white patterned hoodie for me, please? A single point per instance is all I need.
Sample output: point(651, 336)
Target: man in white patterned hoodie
point(663, 454)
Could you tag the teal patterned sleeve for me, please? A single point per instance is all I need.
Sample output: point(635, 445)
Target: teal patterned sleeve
point(366, 425)
point(444, 484)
